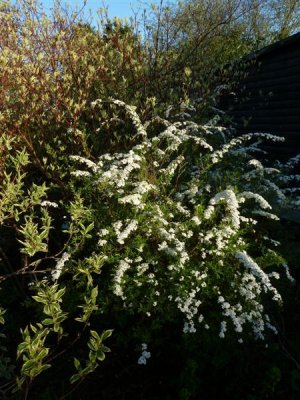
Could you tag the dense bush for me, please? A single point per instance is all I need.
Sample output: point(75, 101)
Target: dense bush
point(169, 231)
point(132, 226)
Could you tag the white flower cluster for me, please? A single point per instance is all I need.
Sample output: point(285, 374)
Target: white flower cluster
point(112, 170)
point(134, 199)
point(292, 162)
point(123, 266)
point(270, 187)
point(102, 234)
point(172, 167)
point(219, 154)
point(215, 241)
point(265, 214)
point(288, 274)
point(130, 111)
point(176, 137)
point(81, 174)
point(145, 355)
point(179, 224)
point(82, 160)
point(59, 266)
point(256, 164)
point(250, 289)
point(289, 178)
point(115, 170)
point(47, 203)
point(275, 189)
point(256, 271)
point(255, 196)
point(231, 203)
point(124, 234)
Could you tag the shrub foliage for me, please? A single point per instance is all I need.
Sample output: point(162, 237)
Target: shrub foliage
point(124, 220)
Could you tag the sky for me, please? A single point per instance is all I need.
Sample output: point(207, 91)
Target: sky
point(117, 8)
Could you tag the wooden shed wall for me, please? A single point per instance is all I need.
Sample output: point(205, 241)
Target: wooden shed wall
point(268, 99)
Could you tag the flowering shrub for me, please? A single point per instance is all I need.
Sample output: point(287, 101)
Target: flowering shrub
point(178, 220)
point(114, 221)
point(170, 229)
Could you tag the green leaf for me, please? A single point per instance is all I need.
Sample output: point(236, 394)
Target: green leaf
point(94, 294)
point(19, 382)
point(21, 347)
point(47, 321)
point(28, 365)
point(77, 364)
point(40, 299)
point(44, 367)
point(106, 334)
point(74, 378)
point(44, 352)
point(105, 349)
point(100, 355)
point(95, 335)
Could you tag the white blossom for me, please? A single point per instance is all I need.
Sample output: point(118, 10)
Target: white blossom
point(231, 203)
point(47, 203)
point(288, 274)
point(256, 271)
point(59, 266)
point(257, 197)
point(80, 174)
point(142, 360)
point(123, 235)
point(123, 266)
point(265, 214)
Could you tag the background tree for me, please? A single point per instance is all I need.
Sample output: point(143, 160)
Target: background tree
point(206, 36)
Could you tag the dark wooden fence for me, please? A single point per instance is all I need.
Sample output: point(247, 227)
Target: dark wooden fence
point(268, 98)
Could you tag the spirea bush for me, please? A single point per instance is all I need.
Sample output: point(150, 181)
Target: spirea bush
point(178, 220)
point(175, 228)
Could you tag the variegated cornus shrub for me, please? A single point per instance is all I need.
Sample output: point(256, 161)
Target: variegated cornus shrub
point(172, 229)
point(31, 261)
